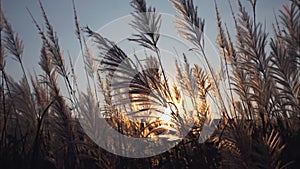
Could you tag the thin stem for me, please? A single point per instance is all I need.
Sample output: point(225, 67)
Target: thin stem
point(215, 81)
point(4, 110)
point(163, 72)
point(83, 58)
point(229, 83)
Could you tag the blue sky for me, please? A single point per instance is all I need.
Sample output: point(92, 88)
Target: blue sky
point(96, 14)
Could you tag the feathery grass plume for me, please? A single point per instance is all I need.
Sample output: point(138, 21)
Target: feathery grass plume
point(38, 128)
point(126, 74)
point(13, 138)
point(290, 17)
point(195, 84)
point(77, 32)
point(50, 40)
point(147, 22)
point(255, 62)
point(287, 80)
point(285, 63)
point(13, 43)
point(62, 120)
point(177, 93)
point(43, 104)
point(254, 74)
point(25, 108)
point(236, 143)
point(247, 143)
point(186, 80)
point(136, 89)
point(221, 38)
point(62, 126)
point(191, 27)
point(89, 66)
point(203, 85)
point(239, 76)
point(24, 113)
point(225, 54)
point(46, 62)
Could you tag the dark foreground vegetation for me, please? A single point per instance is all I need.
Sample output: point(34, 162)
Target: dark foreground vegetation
point(259, 126)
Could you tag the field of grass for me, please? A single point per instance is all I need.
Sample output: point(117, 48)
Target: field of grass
point(43, 127)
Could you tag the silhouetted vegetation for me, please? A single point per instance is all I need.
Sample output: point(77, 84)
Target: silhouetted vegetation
point(259, 126)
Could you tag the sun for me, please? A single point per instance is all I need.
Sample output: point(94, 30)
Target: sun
point(166, 116)
point(168, 113)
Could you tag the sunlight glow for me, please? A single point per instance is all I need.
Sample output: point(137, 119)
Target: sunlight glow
point(167, 116)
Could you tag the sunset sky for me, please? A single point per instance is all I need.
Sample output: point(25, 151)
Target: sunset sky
point(98, 13)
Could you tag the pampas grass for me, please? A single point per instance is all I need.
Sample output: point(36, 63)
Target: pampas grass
point(259, 113)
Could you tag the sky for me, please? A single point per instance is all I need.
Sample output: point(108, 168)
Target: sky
point(99, 13)
point(111, 18)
